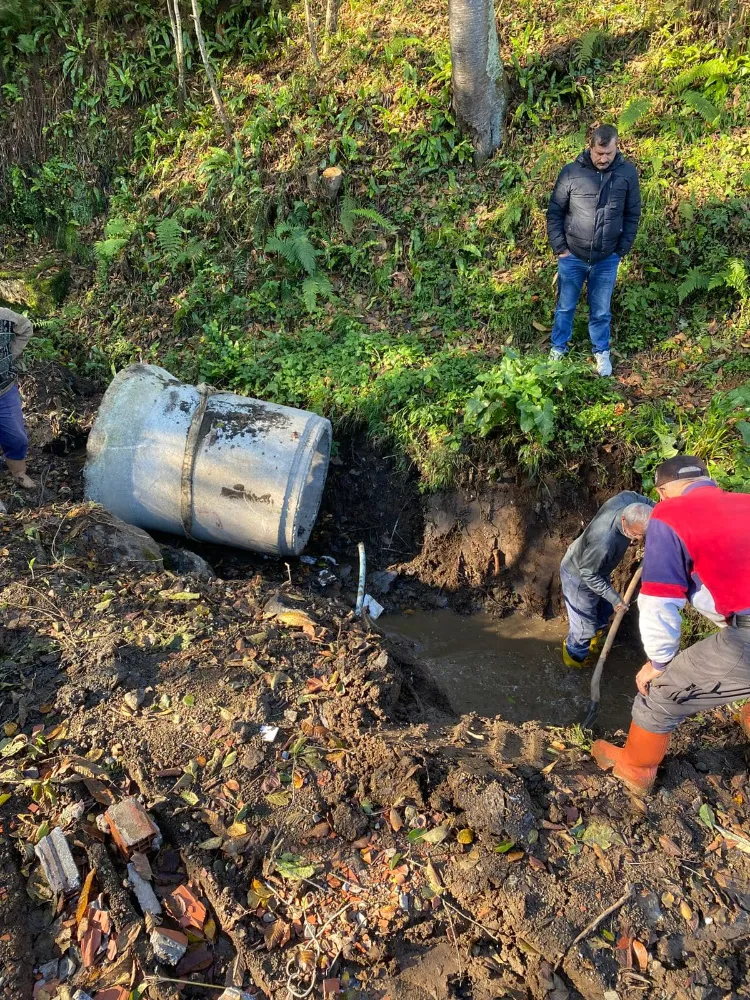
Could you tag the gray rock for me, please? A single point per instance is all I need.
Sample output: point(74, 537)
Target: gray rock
point(118, 543)
point(48, 971)
point(67, 968)
point(184, 561)
point(382, 581)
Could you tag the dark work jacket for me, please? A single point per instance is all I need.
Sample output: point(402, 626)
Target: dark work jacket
point(595, 553)
point(594, 213)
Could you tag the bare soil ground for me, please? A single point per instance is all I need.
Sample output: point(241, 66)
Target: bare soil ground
point(375, 845)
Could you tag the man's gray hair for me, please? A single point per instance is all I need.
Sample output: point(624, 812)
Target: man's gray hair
point(603, 135)
point(636, 515)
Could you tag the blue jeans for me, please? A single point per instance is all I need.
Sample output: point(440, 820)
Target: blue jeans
point(587, 613)
point(13, 441)
point(601, 277)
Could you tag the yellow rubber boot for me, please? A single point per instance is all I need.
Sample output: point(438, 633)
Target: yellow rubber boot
point(597, 643)
point(636, 763)
point(571, 661)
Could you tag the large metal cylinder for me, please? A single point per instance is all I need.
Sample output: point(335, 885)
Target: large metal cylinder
point(210, 465)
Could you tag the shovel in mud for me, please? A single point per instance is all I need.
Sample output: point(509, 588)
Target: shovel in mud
point(597, 676)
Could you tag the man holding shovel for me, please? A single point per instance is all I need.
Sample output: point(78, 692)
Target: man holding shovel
point(697, 550)
point(585, 573)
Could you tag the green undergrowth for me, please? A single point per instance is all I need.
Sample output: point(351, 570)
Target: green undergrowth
point(419, 303)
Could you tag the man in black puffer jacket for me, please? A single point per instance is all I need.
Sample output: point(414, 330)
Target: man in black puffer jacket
point(592, 221)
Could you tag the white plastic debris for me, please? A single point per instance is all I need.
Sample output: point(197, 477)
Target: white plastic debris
point(235, 993)
point(371, 606)
point(308, 561)
point(80, 995)
point(144, 893)
point(269, 733)
point(57, 862)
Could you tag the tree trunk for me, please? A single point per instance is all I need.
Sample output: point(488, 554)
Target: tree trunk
point(218, 103)
point(479, 97)
point(311, 33)
point(175, 18)
point(332, 21)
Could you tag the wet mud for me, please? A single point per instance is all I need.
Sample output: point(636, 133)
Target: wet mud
point(511, 667)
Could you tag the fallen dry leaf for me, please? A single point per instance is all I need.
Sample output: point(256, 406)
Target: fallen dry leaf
point(641, 955)
point(83, 899)
point(276, 934)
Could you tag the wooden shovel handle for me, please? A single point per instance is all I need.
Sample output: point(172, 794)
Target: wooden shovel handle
point(597, 676)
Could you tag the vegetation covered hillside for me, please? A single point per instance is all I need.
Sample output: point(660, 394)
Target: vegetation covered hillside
point(418, 301)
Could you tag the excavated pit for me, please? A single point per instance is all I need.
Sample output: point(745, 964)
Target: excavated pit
point(511, 667)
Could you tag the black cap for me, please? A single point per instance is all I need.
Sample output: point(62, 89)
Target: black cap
point(680, 467)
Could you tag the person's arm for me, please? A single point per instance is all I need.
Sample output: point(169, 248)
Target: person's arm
point(664, 592)
point(21, 335)
point(631, 216)
point(558, 208)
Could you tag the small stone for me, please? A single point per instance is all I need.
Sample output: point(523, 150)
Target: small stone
point(382, 581)
point(67, 968)
point(133, 700)
point(48, 971)
point(169, 946)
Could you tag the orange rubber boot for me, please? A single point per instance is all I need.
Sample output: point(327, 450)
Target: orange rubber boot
point(634, 764)
point(744, 719)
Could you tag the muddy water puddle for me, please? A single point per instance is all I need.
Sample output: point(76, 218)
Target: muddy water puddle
point(512, 668)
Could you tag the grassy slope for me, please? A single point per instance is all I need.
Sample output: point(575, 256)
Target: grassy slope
point(413, 306)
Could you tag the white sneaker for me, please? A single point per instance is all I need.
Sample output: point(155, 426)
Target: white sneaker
point(556, 355)
point(603, 364)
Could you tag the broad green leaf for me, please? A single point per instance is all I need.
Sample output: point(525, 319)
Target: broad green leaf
point(294, 867)
point(707, 815)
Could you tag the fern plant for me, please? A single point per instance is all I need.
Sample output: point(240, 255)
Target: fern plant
point(291, 242)
point(314, 286)
point(587, 47)
point(117, 233)
point(709, 71)
point(169, 235)
point(734, 275)
point(350, 213)
point(633, 112)
point(698, 102)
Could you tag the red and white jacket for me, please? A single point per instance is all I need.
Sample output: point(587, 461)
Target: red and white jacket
point(697, 549)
